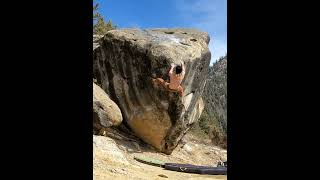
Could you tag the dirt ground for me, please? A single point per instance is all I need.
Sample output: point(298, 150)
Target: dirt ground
point(114, 159)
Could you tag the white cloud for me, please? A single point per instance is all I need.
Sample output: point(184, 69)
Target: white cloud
point(209, 16)
point(217, 48)
point(199, 6)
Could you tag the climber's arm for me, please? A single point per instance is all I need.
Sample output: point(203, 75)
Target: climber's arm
point(183, 70)
point(171, 70)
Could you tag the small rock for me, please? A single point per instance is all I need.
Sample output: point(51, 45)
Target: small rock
point(119, 171)
point(223, 151)
point(113, 170)
point(123, 171)
point(137, 146)
point(187, 148)
point(162, 175)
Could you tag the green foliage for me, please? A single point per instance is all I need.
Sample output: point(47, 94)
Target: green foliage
point(218, 138)
point(206, 122)
point(99, 25)
point(95, 12)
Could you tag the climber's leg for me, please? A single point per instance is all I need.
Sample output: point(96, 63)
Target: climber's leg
point(180, 90)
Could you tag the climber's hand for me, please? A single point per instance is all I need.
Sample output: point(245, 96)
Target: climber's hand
point(172, 64)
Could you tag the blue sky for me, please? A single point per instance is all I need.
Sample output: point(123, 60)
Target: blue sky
point(206, 15)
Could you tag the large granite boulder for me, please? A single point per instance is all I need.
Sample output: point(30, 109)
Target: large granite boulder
point(125, 60)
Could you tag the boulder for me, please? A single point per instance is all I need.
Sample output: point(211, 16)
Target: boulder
point(106, 113)
point(126, 60)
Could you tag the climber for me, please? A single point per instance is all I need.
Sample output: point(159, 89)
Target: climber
point(176, 75)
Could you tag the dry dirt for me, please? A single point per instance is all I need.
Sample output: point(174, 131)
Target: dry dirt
point(114, 159)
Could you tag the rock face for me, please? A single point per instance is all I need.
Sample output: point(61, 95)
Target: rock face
point(95, 41)
point(106, 113)
point(124, 63)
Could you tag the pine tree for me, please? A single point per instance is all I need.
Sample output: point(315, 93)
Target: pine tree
point(99, 25)
point(95, 13)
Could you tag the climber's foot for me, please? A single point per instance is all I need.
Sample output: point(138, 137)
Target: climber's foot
point(154, 81)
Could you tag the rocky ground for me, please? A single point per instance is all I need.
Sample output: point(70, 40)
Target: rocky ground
point(113, 158)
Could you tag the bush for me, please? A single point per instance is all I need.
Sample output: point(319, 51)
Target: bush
point(218, 138)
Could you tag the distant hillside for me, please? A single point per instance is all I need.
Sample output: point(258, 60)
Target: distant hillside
point(213, 121)
point(215, 93)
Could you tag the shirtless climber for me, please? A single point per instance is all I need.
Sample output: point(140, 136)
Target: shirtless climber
point(176, 75)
